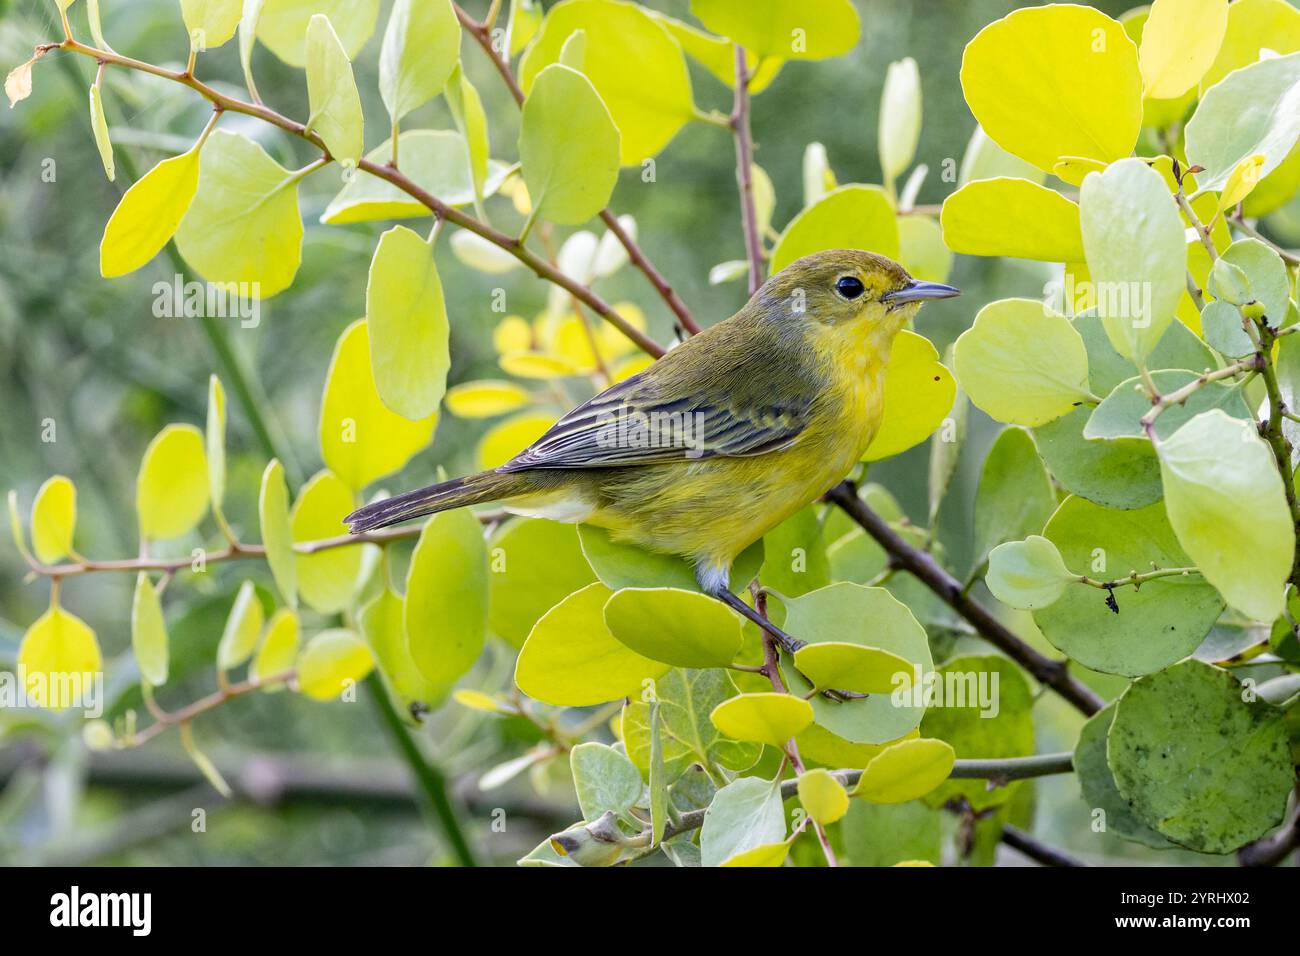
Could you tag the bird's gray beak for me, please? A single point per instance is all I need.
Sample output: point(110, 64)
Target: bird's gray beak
point(918, 291)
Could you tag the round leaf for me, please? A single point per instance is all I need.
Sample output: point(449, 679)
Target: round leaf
point(282, 25)
point(681, 628)
point(331, 663)
point(1027, 574)
point(534, 565)
point(852, 667)
point(1179, 43)
point(906, 771)
point(822, 796)
point(919, 392)
point(766, 718)
point(1012, 217)
point(421, 49)
point(326, 579)
point(851, 217)
point(59, 658)
point(447, 596)
point(793, 29)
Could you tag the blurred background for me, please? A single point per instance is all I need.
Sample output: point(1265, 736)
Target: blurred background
point(319, 784)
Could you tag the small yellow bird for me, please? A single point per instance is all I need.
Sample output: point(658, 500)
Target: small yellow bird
point(723, 438)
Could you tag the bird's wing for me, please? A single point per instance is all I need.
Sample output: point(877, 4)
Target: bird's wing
point(674, 413)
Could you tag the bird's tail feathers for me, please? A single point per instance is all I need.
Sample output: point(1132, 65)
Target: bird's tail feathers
point(444, 496)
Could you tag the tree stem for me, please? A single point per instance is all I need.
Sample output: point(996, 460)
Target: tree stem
point(745, 171)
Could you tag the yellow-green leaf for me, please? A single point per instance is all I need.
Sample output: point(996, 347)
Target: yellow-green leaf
point(717, 55)
point(822, 796)
point(508, 438)
point(899, 128)
point(906, 771)
point(1012, 217)
point(1028, 574)
point(326, 579)
point(572, 660)
point(149, 632)
point(851, 217)
point(1227, 507)
point(471, 120)
point(568, 146)
point(210, 23)
point(243, 628)
point(282, 25)
point(485, 398)
point(681, 628)
point(1253, 27)
point(148, 214)
point(764, 855)
point(853, 667)
point(279, 649)
point(59, 660)
point(407, 318)
point(171, 491)
point(243, 225)
point(333, 662)
point(215, 437)
point(1022, 363)
point(332, 92)
point(361, 439)
point(1180, 40)
point(919, 392)
point(277, 531)
point(99, 126)
point(794, 29)
point(767, 718)
point(421, 48)
point(1079, 94)
point(54, 519)
point(16, 528)
point(383, 626)
point(447, 597)
point(619, 34)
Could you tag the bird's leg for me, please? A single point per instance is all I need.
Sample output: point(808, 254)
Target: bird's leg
point(714, 581)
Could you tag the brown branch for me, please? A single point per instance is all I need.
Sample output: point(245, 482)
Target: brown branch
point(1018, 839)
point(739, 121)
point(483, 37)
point(923, 566)
point(540, 267)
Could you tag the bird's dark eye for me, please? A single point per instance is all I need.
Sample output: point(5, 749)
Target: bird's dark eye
point(850, 287)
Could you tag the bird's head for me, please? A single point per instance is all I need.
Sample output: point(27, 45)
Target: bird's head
point(846, 286)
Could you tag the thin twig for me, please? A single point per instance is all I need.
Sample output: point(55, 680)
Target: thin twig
point(1034, 849)
point(739, 121)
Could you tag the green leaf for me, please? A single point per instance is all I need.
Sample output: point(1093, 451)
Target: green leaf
point(1027, 574)
point(361, 439)
point(680, 628)
point(793, 29)
point(871, 617)
point(853, 667)
point(1015, 497)
point(1179, 42)
point(1119, 416)
point(1012, 217)
point(1254, 26)
point(1137, 254)
point(619, 34)
point(215, 439)
point(383, 625)
point(277, 531)
point(282, 25)
point(57, 656)
point(1227, 506)
point(1252, 112)
point(851, 217)
point(822, 796)
point(992, 720)
point(171, 490)
point(906, 771)
point(249, 17)
point(919, 392)
point(421, 49)
point(409, 331)
point(1098, 784)
point(985, 159)
point(1212, 791)
point(686, 699)
point(899, 127)
point(745, 814)
point(1022, 363)
point(921, 249)
point(1113, 474)
point(54, 519)
point(243, 628)
point(1224, 332)
point(148, 632)
point(794, 555)
point(572, 660)
point(435, 160)
point(568, 146)
point(471, 120)
point(447, 596)
point(210, 23)
point(327, 579)
point(333, 662)
point(1179, 348)
point(766, 718)
point(279, 649)
point(657, 778)
point(148, 214)
point(1270, 283)
point(1041, 108)
point(717, 55)
point(332, 92)
point(1158, 623)
point(534, 565)
point(604, 779)
point(620, 565)
point(888, 834)
point(242, 192)
point(99, 126)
